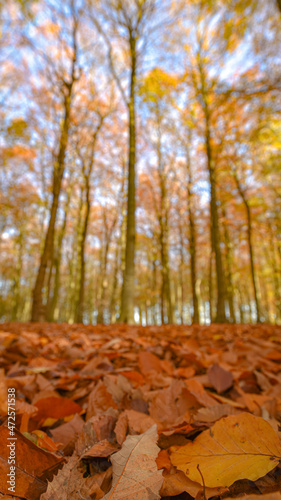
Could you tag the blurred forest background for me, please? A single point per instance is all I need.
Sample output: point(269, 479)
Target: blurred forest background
point(140, 161)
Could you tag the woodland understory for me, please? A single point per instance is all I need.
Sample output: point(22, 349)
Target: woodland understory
point(119, 412)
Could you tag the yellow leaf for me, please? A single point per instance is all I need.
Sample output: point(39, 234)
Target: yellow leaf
point(236, 447)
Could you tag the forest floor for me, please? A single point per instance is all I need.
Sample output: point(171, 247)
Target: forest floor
point(195, 411)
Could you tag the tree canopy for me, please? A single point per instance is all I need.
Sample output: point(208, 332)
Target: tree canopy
point(140, 151)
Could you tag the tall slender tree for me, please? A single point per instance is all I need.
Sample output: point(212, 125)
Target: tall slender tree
point(67, 84)
point(132, 22)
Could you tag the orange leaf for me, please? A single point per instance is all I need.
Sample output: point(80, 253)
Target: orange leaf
point(30, 463)
point(54, 407)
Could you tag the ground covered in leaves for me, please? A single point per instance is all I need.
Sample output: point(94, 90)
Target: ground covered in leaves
point(120, 412)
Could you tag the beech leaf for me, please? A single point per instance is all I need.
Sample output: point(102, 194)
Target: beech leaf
point(135, 473)
point(220, 379)
point(237, 447)
point(32, 464)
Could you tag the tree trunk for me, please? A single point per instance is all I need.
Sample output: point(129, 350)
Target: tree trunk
point(154, 289)
point(162, 214)
point(220, 314)
point(215, 233)
point(250, 244)
point(87, 171)
point(112, 307)
point(166, 286)
point(251, 252)
point(81, 258)
point(53, 313)
point(192, 245)
point(241, 307)
point(229, 264)
point(276, 276)
point(100, 318)
point(127, 302)
point(163, 237)
point(17, 281)
point(38, 307)
point(210, 279)
point(181, 277)
point(75, 265)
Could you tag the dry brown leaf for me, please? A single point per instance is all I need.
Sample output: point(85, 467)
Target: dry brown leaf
point(99, 400)
point(236, 447)
point(121, 427)
point(134, 377)
point(101, 449)
point(135, 473)
point(163, 460)
point(214, 413)
point(55, 407)
point(187, 372)
point(96, 429)
point(30, 462)
point(228, 401)
point(138, 422)
point(46, 393)
point(68, 432)
point(172, 404)
point(197, 390)
point(69, 483)
point(118, 387)
point(176, 482)
point(219, 378)
point(148, 362)
point(269, 496)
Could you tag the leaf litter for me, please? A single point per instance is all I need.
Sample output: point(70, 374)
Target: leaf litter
point(119, 412)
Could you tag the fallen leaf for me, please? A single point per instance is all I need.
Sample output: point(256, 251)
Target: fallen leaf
point(31, 462)
point(135, 473)
point(172, 404)
point(69, 483)
point(187, 372)
point(176, 482)
point(269, 496)
point(135, 377)
point(236, 447)
point(148, 362)
point(121, 427)
point(95, 429)
point(197, 390)
point(138, 422)
point(99, 400)
point(274, 355)
point(219, 378)
point(68, 432)
point(56, 408)
point(101, 449)
point(163, 460)
point(214, 413)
